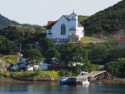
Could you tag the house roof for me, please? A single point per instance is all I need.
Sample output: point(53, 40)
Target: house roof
point(50, 24)
point(122, 40)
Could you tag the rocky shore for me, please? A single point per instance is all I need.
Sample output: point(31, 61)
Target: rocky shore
point(29, 80)
point(114, 81)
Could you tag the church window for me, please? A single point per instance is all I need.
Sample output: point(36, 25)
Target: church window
point(63, 29)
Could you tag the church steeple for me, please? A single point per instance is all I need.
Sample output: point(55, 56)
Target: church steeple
point(73, 21)
point(73, 16)
point(74, 13)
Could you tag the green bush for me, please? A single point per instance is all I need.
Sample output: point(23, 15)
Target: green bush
point(51, 74)
point(116, 68)
point(36, 74)
point(90, 67)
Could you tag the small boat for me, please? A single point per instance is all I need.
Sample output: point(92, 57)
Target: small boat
point(80, 79)
point(63, 80)
point(85, 82)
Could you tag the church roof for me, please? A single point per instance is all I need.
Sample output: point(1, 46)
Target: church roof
point(67, 17)
point(51, 23)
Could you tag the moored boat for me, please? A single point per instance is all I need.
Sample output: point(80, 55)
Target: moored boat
point(63, 80)
point(85, 82)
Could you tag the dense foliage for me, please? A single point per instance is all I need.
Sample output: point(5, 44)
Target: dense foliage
point(36, 74)
point(11, 59)
point(117, 68)
point(71, 53)
point(7, 46)
point(108, 21)
point(82, 18)
point(34, 56)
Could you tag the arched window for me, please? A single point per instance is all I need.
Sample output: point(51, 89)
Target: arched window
point(63, 29)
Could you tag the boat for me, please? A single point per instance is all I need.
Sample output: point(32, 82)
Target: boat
point(80, 79)
point(85, 82)
point(63, 80)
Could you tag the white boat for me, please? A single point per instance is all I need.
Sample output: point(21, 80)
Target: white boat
point(80, 79)
point(63, 80)
point(85, 82)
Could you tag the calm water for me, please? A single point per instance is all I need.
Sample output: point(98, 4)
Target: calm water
point(55, 88)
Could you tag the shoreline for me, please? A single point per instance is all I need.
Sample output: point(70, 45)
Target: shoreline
point(38, 81)
point(113, 81)
point(26, 81)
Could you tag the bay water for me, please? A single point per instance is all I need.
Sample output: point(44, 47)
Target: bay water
point(56, 88)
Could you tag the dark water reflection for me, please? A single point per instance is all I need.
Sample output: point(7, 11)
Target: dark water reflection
point(55, 88)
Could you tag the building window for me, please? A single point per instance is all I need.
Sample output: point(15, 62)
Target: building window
point(63, 29)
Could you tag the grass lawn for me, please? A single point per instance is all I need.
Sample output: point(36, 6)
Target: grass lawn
point(91, 40)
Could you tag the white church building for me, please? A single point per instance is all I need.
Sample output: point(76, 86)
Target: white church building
point(65, 29)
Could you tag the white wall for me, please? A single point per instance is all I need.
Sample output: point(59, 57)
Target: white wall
point(56, 29)
point(80, 32)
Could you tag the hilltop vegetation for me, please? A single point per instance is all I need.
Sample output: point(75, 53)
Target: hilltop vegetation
point(20, 33)
point(83, 18)
point(6, 22)
point(12, 37)
point(107, 22)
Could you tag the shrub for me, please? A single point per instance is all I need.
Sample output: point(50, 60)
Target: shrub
point(116, 68)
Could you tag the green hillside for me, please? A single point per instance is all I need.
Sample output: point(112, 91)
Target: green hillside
point(83, 18)
point(107, 22)
point(20, 33)
point(6, 22)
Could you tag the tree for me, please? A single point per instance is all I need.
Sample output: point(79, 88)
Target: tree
point(17, 33)
point(8, 47)
point(89, 67)
point(116, 68)
point(46, 44)
point(66, 50)
point(73, 53)
point(79, 54)
point(98, 53)
point(34, 55)
point(116, 53)
point(52, 53)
